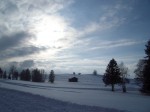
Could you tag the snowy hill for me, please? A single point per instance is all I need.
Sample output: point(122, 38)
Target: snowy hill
point(89, 91)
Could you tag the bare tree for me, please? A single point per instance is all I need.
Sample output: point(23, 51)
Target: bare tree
point(124, 74)
point(139, 72)
point(12, 71)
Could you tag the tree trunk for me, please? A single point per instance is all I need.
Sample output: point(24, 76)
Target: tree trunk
point(112, 87)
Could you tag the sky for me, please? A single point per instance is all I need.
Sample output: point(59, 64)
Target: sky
point(73, 35)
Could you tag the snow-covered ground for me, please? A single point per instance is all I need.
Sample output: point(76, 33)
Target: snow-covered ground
point(14, 101)
point(89, 91)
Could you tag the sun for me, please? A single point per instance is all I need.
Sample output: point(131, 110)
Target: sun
point(49, 30)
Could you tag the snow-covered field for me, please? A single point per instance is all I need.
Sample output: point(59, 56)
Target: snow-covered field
point(14, 101)
point(89, 91)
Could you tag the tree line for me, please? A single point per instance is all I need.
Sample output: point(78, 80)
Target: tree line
point(34, 75)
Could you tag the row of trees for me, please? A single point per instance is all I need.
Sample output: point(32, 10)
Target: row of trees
point(117, 74)
point(35, 75)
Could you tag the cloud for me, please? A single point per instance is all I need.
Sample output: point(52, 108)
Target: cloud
point(20, 65)
point(110, 17)
point(21, 52)
point(90, 46)
point(17, 45)
point(38, 33)
point(18, 21)
point(103, 24)
point(27, 64)
point(118, 43)
point(19, 15)
point(13, 40)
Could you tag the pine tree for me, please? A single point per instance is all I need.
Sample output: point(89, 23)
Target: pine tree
point(112, 74)
point(94, 72)
point(146, 70)
point(16, 75)
point(52, 76)
point(22, 75)
point(37, 76)
point(1, 73)
point(4, 75)
point(28, 75)
point(25, 75)
point(9, 76)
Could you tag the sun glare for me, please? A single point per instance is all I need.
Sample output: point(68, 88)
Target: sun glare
point(49, 30)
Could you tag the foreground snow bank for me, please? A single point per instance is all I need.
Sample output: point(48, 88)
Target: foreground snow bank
point(15, 101)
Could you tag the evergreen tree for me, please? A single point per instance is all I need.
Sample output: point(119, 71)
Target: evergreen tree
point(25, 75)
point(146, 70)
point(15, 75)
point(42, 71)
point(37, 76)
point(94, 72)
point(1, 73)
point(4, 75)
point(22, 75)
point(9, 76)
point(28, 75)
point(112, 74)
point(52, 76)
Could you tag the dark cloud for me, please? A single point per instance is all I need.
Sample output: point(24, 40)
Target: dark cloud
point(20, 52)
point(8, 7)
point(17, 45)
point(16, 39)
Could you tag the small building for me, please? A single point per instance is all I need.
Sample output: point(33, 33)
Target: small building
point(73, 79)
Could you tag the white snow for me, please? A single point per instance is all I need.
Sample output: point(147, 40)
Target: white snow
point(89, 91)
point(14, 101)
